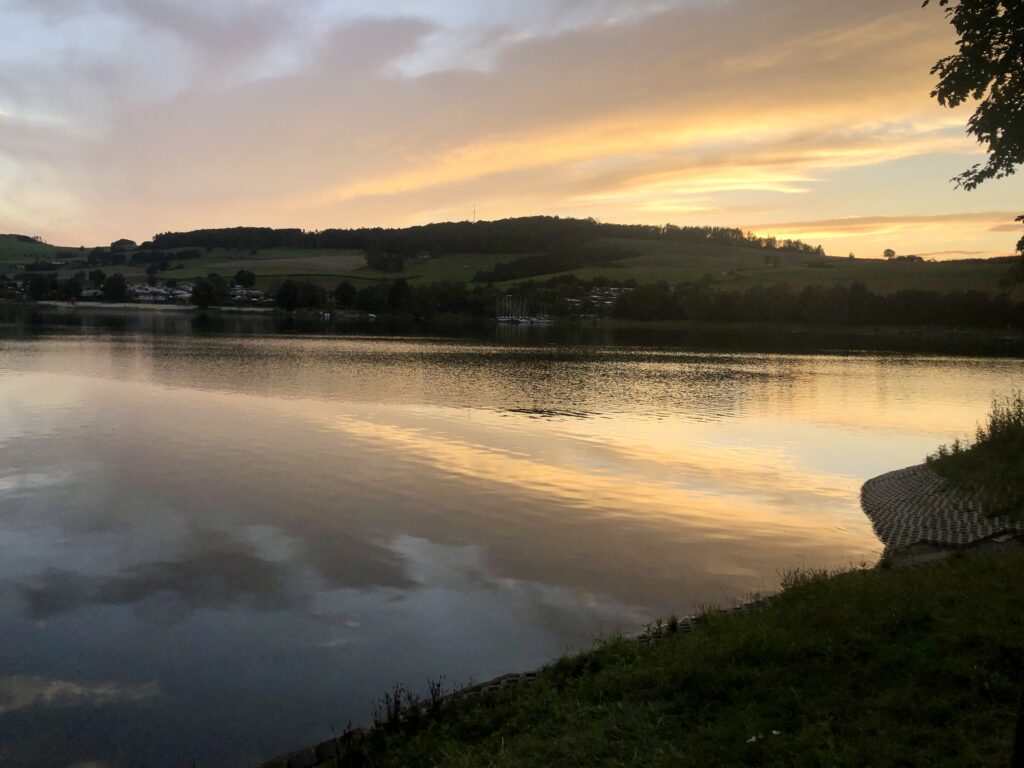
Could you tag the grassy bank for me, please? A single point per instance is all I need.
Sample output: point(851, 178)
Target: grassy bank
point(992, 465)
point(877, 667)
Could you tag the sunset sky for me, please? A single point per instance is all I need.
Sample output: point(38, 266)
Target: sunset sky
point(798, 118)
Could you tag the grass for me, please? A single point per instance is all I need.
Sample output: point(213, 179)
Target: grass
point(881, 667)
point(740, 268)
point(14, 251)
point(992, 466)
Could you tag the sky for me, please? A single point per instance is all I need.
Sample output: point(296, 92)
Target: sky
point(796, 118)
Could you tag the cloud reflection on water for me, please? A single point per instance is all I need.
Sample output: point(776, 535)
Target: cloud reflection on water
point(280, 528)
point(26, 692)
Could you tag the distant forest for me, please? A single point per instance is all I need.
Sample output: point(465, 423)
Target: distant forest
point(521, 235)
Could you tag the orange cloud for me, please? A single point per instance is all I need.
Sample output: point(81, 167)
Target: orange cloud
point(868, 226)
point(670, 113)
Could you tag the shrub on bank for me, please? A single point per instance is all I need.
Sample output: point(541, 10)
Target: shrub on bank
point(992, 466)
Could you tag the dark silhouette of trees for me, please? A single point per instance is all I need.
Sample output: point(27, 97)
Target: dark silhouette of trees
point(245, 278)
point(115, 288)
point(97, 277)
point(345, 294)
point(41, 287)
point(312, 295)
point(399, 296)
point(839, 305)
point(71, 288)
point(210, 291)
point(373, 299)
point(561, 256)
point(528, 235)
point(988, 68)
point(380, 261)
point(889, 253)
point(292, 295)
point(288, 296)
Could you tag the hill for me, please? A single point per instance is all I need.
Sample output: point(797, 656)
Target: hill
point(509, 251)
point(17, 249)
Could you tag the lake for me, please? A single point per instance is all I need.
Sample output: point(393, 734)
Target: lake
point(214, 549)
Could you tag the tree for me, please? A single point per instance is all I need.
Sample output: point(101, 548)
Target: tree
point(41, 286)
point(210, 290)
point(71, 288)
point(311, 295)
point(988, 69)
point(345, 294)
point(97, 277)
point(889, 253)
point(115, 288)
point(245, 278)
point(399, 295)
point(305, 295)
point(220, 286)
point(289, 296)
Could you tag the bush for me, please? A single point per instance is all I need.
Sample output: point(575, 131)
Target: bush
point(115, 288)
point(992, 467)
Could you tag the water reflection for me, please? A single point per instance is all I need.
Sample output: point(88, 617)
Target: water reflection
point(215, 549)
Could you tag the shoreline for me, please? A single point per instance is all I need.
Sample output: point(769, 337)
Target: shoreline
point(917, 518)
point(698, 335)
point(146, 307)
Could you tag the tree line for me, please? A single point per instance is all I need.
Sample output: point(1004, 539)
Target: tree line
point(561, 256)
point(567, 295)
point(518, 235)
point(702, 301)
point(852, 305)
point(397, 297)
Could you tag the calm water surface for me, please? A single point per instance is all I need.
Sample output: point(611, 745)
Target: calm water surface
point(217, 549)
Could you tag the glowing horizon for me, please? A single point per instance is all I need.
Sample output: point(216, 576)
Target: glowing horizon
point(782, 117)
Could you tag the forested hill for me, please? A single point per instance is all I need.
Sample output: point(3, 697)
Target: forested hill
point(521, 235)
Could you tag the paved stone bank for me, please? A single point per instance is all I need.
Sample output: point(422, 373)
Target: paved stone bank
point(915, 506)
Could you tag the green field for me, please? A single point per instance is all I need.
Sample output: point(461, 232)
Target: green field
point(741, 268)
point(14, 251)
point(728, 266)
point(881, 667)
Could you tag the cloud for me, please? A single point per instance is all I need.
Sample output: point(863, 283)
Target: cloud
point(225, 28)
point(624, 110)
point(551, 105)
point(26, 692)
point(204, 579)
point(990, 221)
point(217, 572)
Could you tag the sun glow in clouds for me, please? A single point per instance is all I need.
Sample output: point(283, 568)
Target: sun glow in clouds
point(328, 113)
